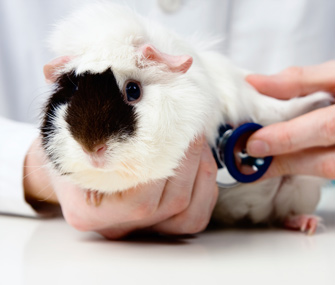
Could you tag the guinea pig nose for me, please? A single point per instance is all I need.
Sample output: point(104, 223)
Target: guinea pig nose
point(100, 149)
point(97, 150)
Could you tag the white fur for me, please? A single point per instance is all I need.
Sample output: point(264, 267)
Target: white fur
point(175, 107)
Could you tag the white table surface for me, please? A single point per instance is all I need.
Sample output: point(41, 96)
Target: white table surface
point(51, 252)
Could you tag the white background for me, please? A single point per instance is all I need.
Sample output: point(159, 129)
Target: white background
point(51, 252)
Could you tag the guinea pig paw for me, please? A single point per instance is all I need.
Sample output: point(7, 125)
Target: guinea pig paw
point(304, 223)
point(93, 197)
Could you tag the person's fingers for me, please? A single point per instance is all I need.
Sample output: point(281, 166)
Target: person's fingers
point(316, 162)
point(191, 195)
point(175, 198)
point(313, 129)
point(296, 81)
point(196, 217)
point(178, 190)
point(115, 232)
point(137, 208)
point(131, 205)
point(36, 177)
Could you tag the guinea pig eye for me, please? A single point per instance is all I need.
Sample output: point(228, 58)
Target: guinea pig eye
point(132, 91)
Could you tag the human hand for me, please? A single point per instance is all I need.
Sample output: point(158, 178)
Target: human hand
point(182, 204)
point(306, 144)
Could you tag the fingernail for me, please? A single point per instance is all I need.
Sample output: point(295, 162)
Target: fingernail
point(258, 148)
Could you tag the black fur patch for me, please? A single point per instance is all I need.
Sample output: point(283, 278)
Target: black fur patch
point(96, 109)
point(61, 95)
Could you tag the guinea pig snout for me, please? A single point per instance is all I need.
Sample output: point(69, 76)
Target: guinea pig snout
point(97, 150)
point(96, 155)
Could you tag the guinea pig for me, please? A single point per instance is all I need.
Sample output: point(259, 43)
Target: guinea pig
point(129, 96)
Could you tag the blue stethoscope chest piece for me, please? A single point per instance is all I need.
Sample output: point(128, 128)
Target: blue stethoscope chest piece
point(234, 164)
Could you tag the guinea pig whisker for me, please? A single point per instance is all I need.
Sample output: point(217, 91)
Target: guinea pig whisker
point(43, 189)
point(34, 152)
point(129, 168)
point(35, 170)
point(38, 166)
point(75, 85)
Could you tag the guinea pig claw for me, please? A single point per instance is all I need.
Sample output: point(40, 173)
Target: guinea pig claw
point(304, 223)
point(93, 197)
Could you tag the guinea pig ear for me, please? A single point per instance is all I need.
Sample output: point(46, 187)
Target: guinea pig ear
point(51, 68)
point(175, 63)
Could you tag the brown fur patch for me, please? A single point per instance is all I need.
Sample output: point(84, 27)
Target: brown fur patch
point(96, 108)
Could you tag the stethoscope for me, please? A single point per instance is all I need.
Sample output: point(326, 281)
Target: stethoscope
point(234, 164)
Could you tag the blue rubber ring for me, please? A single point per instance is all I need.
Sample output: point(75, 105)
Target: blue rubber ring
point(229, 156)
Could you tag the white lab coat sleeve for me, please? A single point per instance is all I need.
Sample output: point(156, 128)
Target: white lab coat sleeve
point(15, 140)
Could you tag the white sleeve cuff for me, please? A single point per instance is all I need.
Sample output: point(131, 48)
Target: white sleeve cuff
point(16, 138)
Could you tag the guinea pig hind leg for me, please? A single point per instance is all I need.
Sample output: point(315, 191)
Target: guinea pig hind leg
point(93, 197)
point(296, 201)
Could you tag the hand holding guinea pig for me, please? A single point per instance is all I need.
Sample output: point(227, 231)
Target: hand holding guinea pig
point(180, 205)
point(303, 145)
